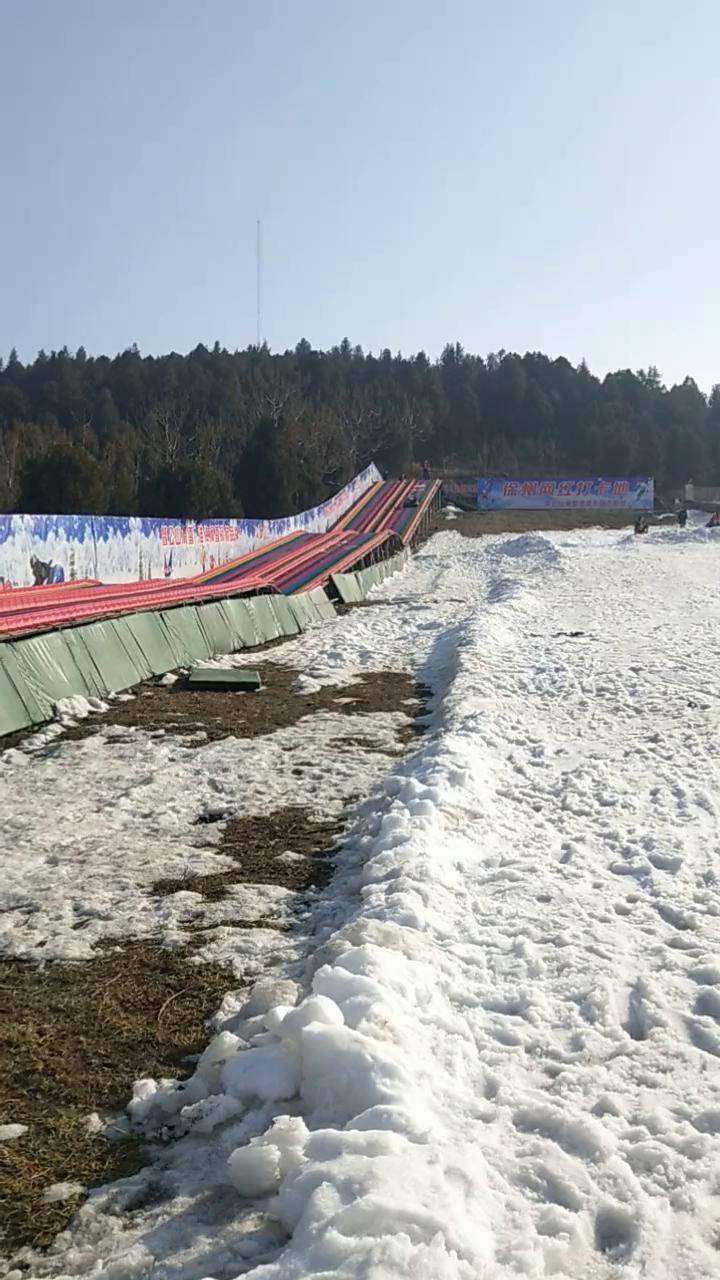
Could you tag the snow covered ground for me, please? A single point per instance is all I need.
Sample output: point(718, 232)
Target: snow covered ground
point(90, 825)
point(505, 1059)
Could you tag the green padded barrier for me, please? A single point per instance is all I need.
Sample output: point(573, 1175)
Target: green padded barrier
point(221, 680)
point(242, 622)
point(323, 605)
point(84, 661)
point(135, 651)
point(151, 636)
point(14, 713)
point(286, 619)
point(47, 669)
point(348, 587)
point(304, 611)
point(266, 623)
point(216, 627)
point(111, 658)
point(187, 637)
point(370, 577)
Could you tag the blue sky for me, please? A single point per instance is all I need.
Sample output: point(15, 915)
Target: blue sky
point(527, 176)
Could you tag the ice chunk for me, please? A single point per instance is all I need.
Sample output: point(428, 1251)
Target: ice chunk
point(270, 1072)
point(255, 1170)
point(345, 1072)
point(220, 1048)
point(8, 1131)
point(62, 1191)
point(314, 1009)
point(268, 992)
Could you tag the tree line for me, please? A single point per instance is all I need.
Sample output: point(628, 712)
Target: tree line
point(220, 433)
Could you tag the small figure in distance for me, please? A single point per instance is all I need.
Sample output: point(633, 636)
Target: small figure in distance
point(682, 517)
point(714, 521)
point(641, 524)
point(425, 472)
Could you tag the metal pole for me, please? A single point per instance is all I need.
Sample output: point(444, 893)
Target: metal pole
point(259, 282)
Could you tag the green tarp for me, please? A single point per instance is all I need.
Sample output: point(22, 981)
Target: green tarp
point(348, 587)
point(266, 623)
point(303, 610)
point(216, 627)
point(354, 587)
point(104, 644)
point(151, 635)
point(14, 714)
point(322, 603)
point(187, 637)
point(134, 650)
point(286, 619)
point(48, 670)
point(84, 662)
point(242, 622)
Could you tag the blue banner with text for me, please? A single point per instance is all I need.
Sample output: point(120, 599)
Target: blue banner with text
point(631, 493)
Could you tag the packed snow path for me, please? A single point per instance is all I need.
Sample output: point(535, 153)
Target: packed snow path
point(509, 1062)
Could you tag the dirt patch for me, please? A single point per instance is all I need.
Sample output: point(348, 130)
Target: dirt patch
point(260, 847)
point(73, 1038)
point(476, 524)
point(186, 712)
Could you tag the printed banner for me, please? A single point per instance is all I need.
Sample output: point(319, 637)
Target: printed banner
point(47, 550)
point(600, 494)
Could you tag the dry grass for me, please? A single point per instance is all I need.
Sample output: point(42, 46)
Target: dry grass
point(73, 1038)
point(256, 844)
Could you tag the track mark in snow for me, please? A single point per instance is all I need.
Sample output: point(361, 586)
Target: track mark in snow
point(704, 1037)
point(550, 1187)
point(642, 1017)
point(707, 1003)
point(578, 1138)
point(617, 1232)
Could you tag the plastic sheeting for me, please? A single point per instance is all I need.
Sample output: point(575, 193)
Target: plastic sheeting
point(242, 622)
point(151, 634)
point(217, 627)
point(322, 603)
point(104, 644)
point(17, 709)
point(48, 670)
point(348, 587)
point(187, 638)
point(305, 613)
point(286, 619)
point(266, 621)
